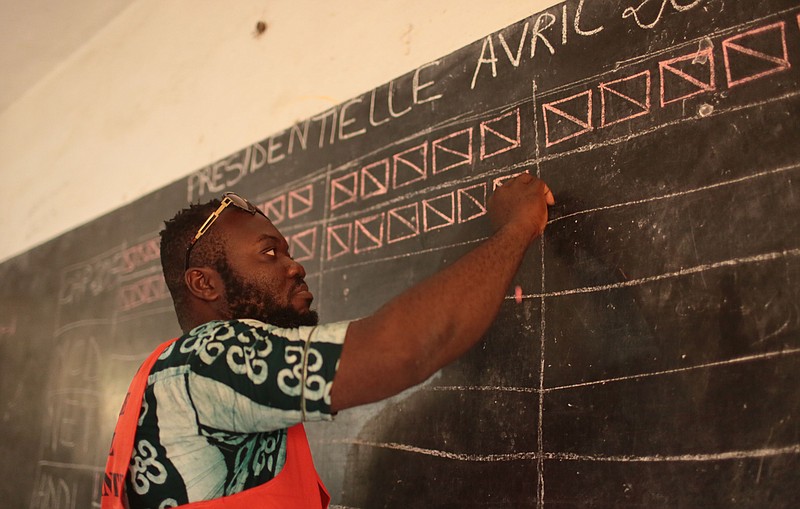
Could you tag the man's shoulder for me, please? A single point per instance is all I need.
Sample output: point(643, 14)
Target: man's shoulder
point(212, 337)
point(333, 332)
point(246, 328)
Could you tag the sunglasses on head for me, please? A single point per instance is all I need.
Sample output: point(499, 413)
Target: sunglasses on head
point(227, 200)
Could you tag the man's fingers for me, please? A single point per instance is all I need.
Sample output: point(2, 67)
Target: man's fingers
point(550, 199)
point(527, 178)
point(548, 196)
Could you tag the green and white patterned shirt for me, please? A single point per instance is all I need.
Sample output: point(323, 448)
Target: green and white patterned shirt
point(217, 406)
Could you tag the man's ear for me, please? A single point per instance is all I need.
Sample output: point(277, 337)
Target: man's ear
point(204, 283)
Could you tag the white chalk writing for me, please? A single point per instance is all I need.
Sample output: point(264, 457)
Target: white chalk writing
point(350, 120)
point(545, 26)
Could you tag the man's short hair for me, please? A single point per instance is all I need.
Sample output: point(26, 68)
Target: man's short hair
point(175, 238)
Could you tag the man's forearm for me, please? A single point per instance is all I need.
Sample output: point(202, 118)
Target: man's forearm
point(429, 325)
point(450, 311)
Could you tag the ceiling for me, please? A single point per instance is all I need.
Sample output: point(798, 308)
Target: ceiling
point(38, 35)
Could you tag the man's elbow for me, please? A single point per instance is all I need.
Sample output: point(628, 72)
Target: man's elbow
point(423, 360)
point(417, 368)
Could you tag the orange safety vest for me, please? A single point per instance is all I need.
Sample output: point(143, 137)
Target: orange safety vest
point(297, 485)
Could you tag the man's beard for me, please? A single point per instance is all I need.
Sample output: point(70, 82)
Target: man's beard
point(247, 300)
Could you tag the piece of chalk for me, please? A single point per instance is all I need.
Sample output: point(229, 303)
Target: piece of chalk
point(518, 294)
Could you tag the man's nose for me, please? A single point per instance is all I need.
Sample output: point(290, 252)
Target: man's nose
point(296, 270)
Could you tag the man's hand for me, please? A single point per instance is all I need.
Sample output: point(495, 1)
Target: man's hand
point(522, 203)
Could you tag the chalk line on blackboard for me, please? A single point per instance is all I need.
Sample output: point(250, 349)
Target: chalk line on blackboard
point(71, 466)
point(276, 190)
point(325, 221)
point(73, 391)
point(439, 453)
point(135, 357)
point(718, 456)
point(542, 305)
point(405, 255)
point(88, 322)
point(765, 257)
point(564, 456)
point(488, 388)
point(738, 360)
point(505, 388)
point(676, 194)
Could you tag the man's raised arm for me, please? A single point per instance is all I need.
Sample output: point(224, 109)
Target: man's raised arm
point(437, 320)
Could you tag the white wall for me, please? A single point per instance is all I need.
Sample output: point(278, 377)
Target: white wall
point(171, 85)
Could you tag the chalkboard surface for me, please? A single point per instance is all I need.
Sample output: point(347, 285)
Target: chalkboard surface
point(653, 359)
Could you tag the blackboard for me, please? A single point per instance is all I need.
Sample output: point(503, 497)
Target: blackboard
point(651, 355)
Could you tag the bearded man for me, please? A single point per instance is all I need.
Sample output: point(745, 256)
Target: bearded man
point(214, 418)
